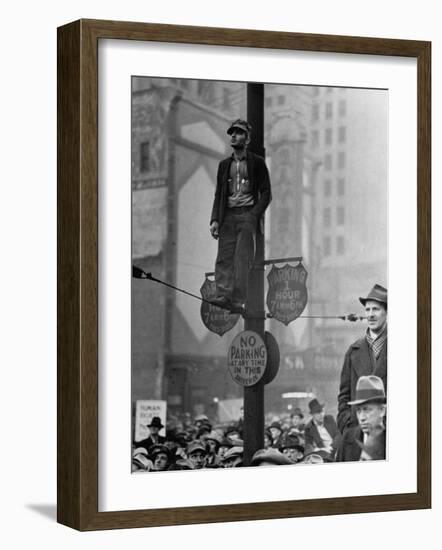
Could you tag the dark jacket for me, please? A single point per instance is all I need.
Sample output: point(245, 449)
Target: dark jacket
point(259, 179)
point(349, 450)
point(358, 362)
point(313, 439)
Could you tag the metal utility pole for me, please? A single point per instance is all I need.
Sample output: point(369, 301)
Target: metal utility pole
point(255, 313)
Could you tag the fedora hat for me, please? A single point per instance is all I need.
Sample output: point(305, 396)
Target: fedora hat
point(155, 423)
point(369, 388)
point(315, 407)
point(241, 125)
point(195, 445)
point(270, 455)
point(378, 293)
point(233, 453)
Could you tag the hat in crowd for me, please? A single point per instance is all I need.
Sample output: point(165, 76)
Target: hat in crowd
point(292, 442)
point(195, 445)
point(270, 455)
point(231, 429)
point(183, 438)
point(276, 425)
point(155, 423)
point(315, 407)
point(140, 461)
point(201, 418)
point(140, 450)
point(374, 446)
point(233, 453)
point(378, 293)
point(204, 429)
point(297, 412)
point(241, 125)
point(226, 442)
point(316, 457)
point(369, 388)
point(213, 436)
point(158, 448)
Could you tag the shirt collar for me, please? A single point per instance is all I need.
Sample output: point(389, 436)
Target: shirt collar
point(242, 157)
point(372, 338)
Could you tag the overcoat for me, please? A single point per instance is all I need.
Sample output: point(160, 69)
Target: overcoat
point(312, 437)
point(349, 450)
point(260, 182)
point(358, 362)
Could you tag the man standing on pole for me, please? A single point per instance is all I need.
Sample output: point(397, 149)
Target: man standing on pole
point(242, 195)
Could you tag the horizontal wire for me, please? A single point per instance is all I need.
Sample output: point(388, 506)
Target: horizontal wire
point(138, 273)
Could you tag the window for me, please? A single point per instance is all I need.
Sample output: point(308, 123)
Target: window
point(281, 100)
point(340, 245)
point(226, 100)
point(328, 136)
point(342, 134)
point(342, 107)
point(327, 217)
point(326, 246)
point(327, 188)
point(341, 187)
point(328, 110)
point(341, 160)
point(315, 139)
point(315, 112)
point(328, 162)
point(340, 215)
point(144, 157)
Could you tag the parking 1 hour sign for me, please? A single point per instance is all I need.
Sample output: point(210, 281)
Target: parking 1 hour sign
point(247, 358)
point(287, 293)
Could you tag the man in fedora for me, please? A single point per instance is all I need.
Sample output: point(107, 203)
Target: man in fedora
point(366, 441)
point(321, 432)
point(154, 438)
point(366, 356)
point(241, 197)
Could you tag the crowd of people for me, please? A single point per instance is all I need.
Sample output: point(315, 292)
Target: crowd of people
point(357, 434)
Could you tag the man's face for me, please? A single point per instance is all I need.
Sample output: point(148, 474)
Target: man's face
point(154, 430)
point(296, 420)
point(238, 138)
point(211, 445)
point(222, 450)
point(376, 315)
point(293, 454)
point(370, 416)
point(276, 432)
point(318, 417)
point(160, 462)
point(198, 459)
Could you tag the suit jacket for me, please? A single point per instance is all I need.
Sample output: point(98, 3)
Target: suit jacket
point(358, 362)
point(349, 450)
point(260, 182)
point(313, 439)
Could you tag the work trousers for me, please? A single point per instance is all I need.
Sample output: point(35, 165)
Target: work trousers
point(236, 249)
